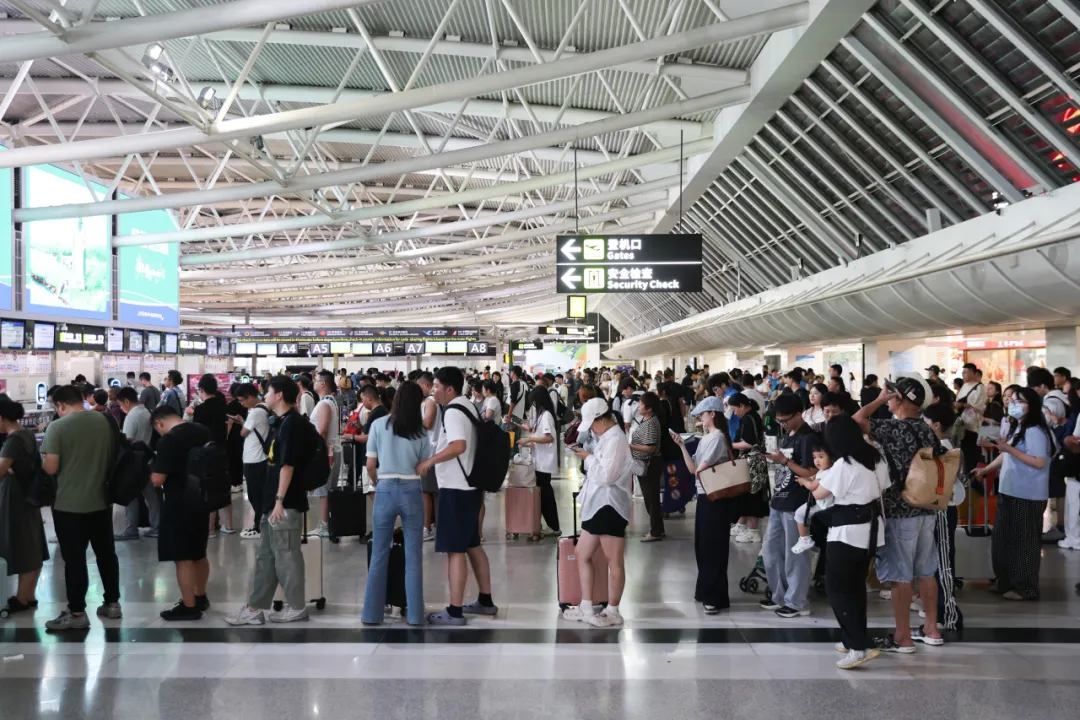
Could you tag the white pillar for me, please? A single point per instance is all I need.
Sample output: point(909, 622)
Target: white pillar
point(871, 364)
point(1063, 348)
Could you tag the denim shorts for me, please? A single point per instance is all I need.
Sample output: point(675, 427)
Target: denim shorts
point(910, 549)
point(459, 520)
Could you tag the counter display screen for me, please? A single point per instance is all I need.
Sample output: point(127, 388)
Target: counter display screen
point(153, 342)
point(114, 340)
point(170, 343)
point(135, 342)
point(267, 348)
point(12, 334)
point(457, 347)
point(242, 348)
point(44, 336)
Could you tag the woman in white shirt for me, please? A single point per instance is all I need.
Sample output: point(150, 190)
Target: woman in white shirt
point(855, 481)
point(712, 524)
point(543, 432)
point(491, 410)
point(815, 414)
point(605, 512)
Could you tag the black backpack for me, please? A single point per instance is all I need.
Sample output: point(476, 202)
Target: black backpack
point(315, 472)
point(491, 460)
point(208, 476)
point(130, 471)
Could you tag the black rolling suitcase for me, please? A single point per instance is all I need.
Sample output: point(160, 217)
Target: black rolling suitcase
point(348, 506)
point(395, 571)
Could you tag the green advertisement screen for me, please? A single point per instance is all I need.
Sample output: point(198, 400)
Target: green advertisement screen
point(68, 262)
point(149, 274)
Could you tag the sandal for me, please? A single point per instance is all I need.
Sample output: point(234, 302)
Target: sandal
point(652, 538)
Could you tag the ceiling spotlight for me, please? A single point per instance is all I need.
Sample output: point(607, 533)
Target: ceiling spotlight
point(152, 54)
point(258, 143)
point(206, 98)
point(999, 203)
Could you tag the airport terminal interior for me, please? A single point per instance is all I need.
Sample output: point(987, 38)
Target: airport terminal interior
point(627, 239)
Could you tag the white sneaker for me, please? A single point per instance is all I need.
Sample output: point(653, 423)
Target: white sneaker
point(322, 530)
point(287, 615)
point(855, 658)
point(738, 529)
point(885, 594)
point(841, 648)
point(246, 616)
point(1067, 544)
point(614, 617)
point(916, 605)
point(429, 535)
point(250, 534)
point(601, 620)
point(804, 544)
point(750, 536)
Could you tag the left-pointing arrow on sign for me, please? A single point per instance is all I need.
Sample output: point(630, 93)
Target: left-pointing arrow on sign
point(571, 249)
point(571, 279)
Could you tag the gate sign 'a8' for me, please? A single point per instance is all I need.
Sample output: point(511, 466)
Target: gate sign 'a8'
point(628, 263)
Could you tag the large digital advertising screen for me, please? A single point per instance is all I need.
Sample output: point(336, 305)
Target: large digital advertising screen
point(7, 199)
point(149, 274)
point(68, 262)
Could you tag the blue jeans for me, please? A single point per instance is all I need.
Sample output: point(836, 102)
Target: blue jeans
point(394, 498)
point(788, 573)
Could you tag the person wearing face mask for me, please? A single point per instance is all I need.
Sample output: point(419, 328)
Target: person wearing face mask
point(1023, 490)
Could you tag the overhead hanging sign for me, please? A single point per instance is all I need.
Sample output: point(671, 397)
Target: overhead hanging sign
point(628, 263)
point(344, 335)
point(522, 345)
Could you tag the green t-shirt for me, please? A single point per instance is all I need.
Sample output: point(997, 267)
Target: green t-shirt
point(84, 441)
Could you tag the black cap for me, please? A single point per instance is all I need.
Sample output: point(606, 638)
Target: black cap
point(911, 390)
point(934, 369)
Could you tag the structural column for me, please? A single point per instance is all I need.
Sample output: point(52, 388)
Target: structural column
point(1063, 348)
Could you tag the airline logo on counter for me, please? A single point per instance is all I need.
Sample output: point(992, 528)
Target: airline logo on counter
point(626, 264)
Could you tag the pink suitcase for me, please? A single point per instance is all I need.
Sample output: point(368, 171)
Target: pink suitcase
point(570, 581)
point(523, 512)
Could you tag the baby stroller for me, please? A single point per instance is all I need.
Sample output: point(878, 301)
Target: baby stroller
point(756, 581)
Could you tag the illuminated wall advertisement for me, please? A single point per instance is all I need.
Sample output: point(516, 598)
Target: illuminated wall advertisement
point(149, 274)
point(7, 199)
point(67, 261)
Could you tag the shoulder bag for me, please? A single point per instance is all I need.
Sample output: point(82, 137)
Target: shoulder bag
point(727, 479)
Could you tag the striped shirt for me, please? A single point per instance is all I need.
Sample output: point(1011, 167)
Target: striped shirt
point(647, 432)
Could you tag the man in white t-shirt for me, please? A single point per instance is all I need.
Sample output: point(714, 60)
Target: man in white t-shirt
point(256, 431)
point(326, 417)
point(459, 502)
point(970, 404)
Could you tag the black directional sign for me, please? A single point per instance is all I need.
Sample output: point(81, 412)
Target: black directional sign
point(628, 263)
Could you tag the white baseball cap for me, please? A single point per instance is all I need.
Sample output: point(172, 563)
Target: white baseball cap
point(591, 410)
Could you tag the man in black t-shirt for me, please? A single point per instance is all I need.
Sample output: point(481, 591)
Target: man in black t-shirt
point(279, 560)
point(182, 532)
point(788, 573)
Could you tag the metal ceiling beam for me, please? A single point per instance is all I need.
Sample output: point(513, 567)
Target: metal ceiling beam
point(1053, 134)
point(324, 95)
point(338, 135)
point(787, 59)
point(941, 128)
point(354, 41)
point(1068, 10)
point(464, 196)
point(380, 170)
point(763, 23)
point(93, 37)
point(1036, 171)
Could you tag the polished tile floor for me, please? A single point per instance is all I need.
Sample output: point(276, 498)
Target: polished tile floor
point(669, 661)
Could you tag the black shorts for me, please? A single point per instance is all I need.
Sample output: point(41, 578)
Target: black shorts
point(606, 521)
point(459, 520)
point(183, 533)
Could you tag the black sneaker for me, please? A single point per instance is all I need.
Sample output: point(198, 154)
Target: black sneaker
point(202, 603)
point(768, 604)
point(788, 612)
point(180, 611)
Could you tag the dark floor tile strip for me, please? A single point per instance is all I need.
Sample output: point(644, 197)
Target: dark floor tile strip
point(527, 636)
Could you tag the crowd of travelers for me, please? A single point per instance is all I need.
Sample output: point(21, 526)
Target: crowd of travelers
point(827, 472)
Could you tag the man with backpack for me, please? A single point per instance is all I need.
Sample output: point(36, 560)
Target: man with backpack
point(454, 459)
point(279, 560)
point(138, 427)
point(182, 538)
point(515, 412)
point(256, 433)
